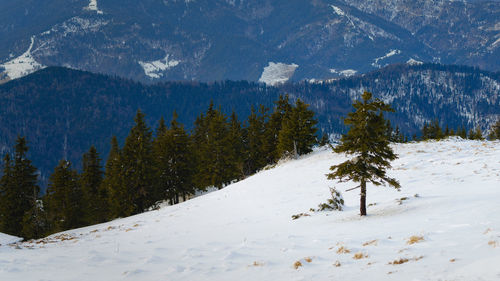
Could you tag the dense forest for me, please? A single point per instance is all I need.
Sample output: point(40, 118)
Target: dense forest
point(62, 112)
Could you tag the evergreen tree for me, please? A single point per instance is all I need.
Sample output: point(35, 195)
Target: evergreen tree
point(367, 141)
point(325, 140)
point(461, 132)
point(174, 163)
point(298, 133)
point(476, 134)
point(255, 142)
point(64, 198)
point(18, 189)
point(236, 140)
point(94, 194)
point(113, 183)
point(137, 161)
point(282, 111)
point(495, 131)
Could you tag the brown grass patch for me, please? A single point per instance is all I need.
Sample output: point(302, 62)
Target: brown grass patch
point(371, 243)
point(400, 261)
point(337, 264)
point(135, 225)
point(493, 243)
point(343, 250)
point(359, 256)
point(308, 259)
point(453, 260)
point(415, 239)
point(257, 264)
point(297, 264)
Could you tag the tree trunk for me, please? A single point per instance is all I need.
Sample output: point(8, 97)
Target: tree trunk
point(362, 202)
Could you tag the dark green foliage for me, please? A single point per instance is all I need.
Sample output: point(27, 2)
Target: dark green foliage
point(173, 162)
point(368, 143)
point(298, 133)
point(495, 131)
point(63, 199)
point(282, 111)
point(215, 158)
point(325, 140)
point(236, 139)
point(475, 134)
point(137, 163)
point(256, 141)
point(18, 189)
point(94, 193)
point(432, 131)
point(113, 183)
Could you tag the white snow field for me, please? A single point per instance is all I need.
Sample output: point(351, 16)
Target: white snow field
point(245, 231)
point(277, 73)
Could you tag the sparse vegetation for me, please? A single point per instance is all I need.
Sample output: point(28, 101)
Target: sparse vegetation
point(415, 239)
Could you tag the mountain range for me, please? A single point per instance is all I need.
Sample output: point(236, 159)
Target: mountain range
point(62, 112)
point(261, 40)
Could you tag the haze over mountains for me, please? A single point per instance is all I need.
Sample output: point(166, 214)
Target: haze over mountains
point(264, 40)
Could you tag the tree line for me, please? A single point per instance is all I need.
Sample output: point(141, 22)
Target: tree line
point(169, 164)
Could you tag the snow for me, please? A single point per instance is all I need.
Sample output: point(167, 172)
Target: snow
point(337, 10)
point(154, 69)
point(276, 73)
point(22, 65)
point(345, 72)
point(93, 7)
point(245, 231)
point(8, 239)
point(388, 55)
point(413, 62)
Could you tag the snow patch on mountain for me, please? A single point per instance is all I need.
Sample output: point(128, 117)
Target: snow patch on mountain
point(388, 55)
point(276, 73)
point(155, 69)
point(93, 7)
point(22, 65)
point(337, 10)
point(345, 72)
point(413, 61)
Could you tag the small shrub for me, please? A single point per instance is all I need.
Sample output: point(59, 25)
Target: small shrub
point(297, 264)
point(294, 217)
point(359, 256)
point(308, 259)
point(336, 203)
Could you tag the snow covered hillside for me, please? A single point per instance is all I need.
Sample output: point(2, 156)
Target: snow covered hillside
point(444, 224)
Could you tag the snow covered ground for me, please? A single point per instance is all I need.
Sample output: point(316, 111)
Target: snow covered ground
point(155, 69)
point(448, 205)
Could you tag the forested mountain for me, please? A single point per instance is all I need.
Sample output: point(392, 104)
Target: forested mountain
point(266, 40)
point(62, 112)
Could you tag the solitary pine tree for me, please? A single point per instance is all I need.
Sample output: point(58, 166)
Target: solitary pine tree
point(367, 141)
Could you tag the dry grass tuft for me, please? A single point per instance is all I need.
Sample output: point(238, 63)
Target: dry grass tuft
point(297, 264)
point(453, 260)
point(308, 259)
point(343, 250)
point(294, 217)
point(493, 243)
point(371, 243)
point(400, 261)
point(337, 264)
point(415, 239)
point(359, 256)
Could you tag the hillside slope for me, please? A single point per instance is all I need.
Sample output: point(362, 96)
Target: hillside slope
point(245, 231)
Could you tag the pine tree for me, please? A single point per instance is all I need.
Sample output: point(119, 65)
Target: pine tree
point(18, 189)
point(255, 141)
point(113, 183)
point(137, 161)
point(94, 194)
point(298, 133)
point(495, 131)
point(238, 149)
point(174, 163)
point(64, 198)
point(282, 111)
point(367, 141)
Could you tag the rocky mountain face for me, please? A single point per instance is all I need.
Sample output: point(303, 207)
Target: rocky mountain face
point(62, 112)
point(261, 40)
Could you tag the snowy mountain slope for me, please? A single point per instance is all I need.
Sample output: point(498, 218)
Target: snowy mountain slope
point(220, 39)
point(245, 231)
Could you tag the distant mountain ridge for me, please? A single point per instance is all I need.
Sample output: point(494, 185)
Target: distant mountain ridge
point(270, 41)
point(62, 112)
